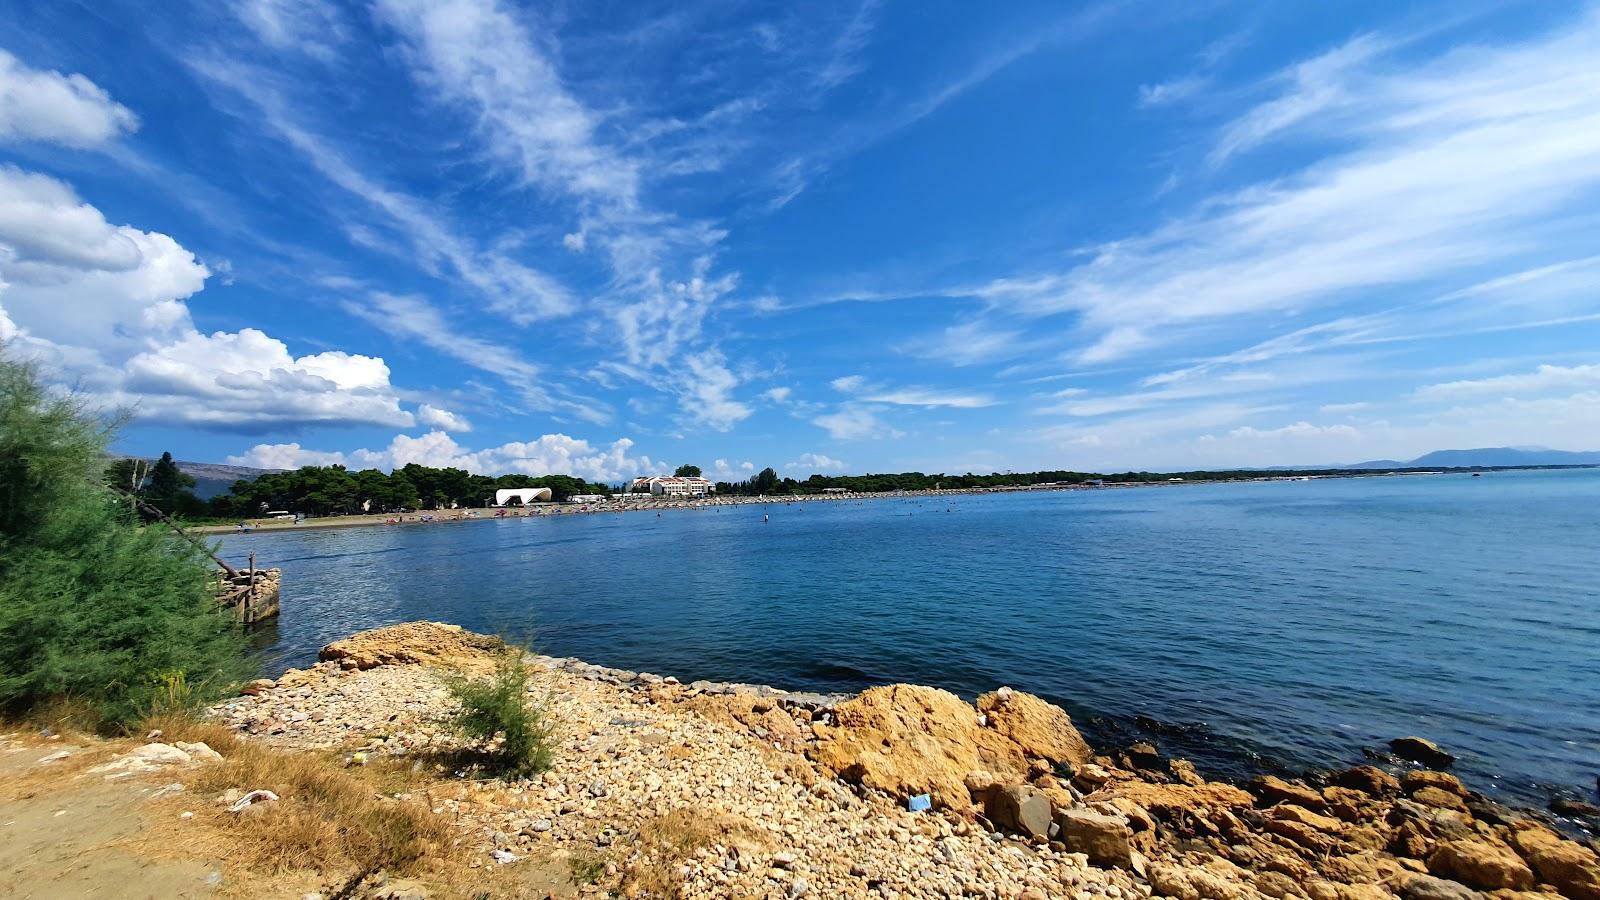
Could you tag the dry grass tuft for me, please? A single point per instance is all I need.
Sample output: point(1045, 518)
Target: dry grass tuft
point(330, 820)
point(176, 726)
point(667, 841)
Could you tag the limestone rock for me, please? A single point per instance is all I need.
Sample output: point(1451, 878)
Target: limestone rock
point(1480, 865)
point(909, 739)
point(1272, 789)
point(1106, 840)
point(1438, 799)
point(1040, 730)
point(1572, 868)
point(1368, 779)
point(1293, 813)
point(414, 643)
point(1421, 750)
point(1423, 778)
point(1019, 808)
point(1426, 887)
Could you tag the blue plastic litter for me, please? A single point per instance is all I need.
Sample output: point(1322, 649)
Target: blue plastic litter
point(919, 803)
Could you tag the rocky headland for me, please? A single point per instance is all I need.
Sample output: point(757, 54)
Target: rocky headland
point(717, 790)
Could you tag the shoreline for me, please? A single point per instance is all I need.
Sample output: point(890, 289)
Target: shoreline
point(489, 513)
point(828, 792)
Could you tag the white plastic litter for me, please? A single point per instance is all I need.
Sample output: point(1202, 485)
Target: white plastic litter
point(252, 797)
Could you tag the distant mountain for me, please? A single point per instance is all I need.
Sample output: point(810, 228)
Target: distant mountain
point(213, 479)
point(1488, 457)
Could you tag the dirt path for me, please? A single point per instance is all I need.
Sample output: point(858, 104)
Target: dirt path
point(74, 837)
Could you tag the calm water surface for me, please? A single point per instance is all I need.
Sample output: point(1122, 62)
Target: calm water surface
point(1284, 624)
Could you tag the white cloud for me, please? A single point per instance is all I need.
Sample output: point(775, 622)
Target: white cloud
point(1336, 408)
point(50, 107)
point(1169, 92)
point(707, 386)
point(1311, 88)
point(1543, 380)
point(917, 396)
point(971, 343)
point(816, 463)
point(476, 55)
point(103, 306)
point(249, 381)
point(313, 27)
point(1296, 430)
point(848, 384)
point(434, 417)
point(723, 470)
point(777, 394)
point(511, 289)
point(550, 454)
point(1437, 170)
point(853, 422)
point(285, 456)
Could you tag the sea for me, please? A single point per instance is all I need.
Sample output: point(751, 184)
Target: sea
point(1279, 626)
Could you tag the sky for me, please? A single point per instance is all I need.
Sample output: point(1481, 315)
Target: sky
point(606, 238)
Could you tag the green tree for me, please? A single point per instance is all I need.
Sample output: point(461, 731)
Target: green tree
point(169, 489)
point(687, 471)
point(93, 607)
point(765, 481)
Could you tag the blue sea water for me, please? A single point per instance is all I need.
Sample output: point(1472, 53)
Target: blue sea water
point(1276, 625)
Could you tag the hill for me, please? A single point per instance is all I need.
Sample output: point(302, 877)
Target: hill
point(214, 479)
point(1488, 457)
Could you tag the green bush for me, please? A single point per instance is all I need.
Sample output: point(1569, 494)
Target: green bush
point(498, 706)
point(95, 611)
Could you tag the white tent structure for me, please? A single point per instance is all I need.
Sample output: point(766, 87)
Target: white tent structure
point(526, 495)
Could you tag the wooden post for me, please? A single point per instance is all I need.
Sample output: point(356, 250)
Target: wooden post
point(250, 593)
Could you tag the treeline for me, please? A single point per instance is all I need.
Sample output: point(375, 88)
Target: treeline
point(767, 482)
point(327, 490)
point(334, 490)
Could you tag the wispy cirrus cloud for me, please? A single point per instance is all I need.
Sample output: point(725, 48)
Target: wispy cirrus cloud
point(1543, 380)
point(510, 287)
point(1436, 170)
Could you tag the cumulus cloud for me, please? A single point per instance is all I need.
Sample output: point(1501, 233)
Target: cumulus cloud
point(444, 419)
point(104, 305)
point(723, 470)
point(50, 107)
point(550, 454)
point(816, 463)
point(777, 394)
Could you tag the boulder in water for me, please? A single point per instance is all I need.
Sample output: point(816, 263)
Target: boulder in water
point(1421, 750)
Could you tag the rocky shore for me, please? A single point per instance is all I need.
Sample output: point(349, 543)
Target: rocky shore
point(715, 790)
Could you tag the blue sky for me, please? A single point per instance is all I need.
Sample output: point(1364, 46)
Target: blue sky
point(607, 238)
